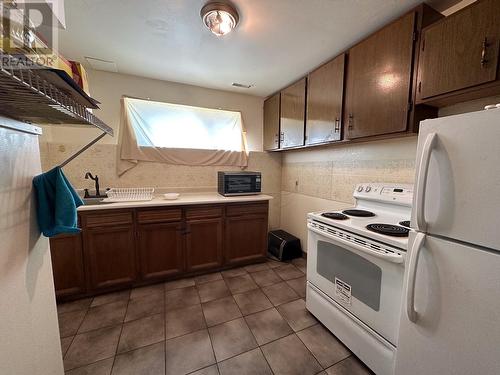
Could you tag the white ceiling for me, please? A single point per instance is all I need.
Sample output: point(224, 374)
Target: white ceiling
point(276, 42)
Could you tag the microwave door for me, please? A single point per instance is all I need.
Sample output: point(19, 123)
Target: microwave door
point(239, 184)
point(242, 184)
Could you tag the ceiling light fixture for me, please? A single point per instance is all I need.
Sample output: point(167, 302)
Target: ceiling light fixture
point(219, 17)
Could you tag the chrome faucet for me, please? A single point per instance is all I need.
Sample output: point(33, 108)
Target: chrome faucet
point(96, 180)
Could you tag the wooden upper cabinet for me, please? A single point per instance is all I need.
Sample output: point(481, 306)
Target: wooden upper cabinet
point(292, 119)
point(461, 51)
point(379, 76)
point(325, 88)
point(67, 264)
point(272, 122)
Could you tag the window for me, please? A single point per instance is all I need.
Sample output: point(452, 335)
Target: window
point(166, 125)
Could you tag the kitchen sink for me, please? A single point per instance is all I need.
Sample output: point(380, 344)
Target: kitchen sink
point(93, 201)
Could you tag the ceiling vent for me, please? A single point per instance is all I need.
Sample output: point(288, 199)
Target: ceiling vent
point(104, 65)
point(241, 85)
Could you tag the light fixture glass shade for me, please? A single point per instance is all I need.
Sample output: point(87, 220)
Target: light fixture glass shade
point(220, 18)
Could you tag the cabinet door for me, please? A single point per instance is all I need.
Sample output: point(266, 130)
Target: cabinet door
point(379, 72)
point(204, 243)
point(111, 254)
point(292, 119)
point(67, 265)
point(461, 51)
point(160, 250)
point(325, 88)
point(246, 238)
point(272, 122)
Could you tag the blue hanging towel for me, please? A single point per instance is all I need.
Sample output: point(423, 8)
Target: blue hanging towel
point(57, 202)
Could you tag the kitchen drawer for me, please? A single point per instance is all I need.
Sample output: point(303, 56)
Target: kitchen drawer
point(246, 209)
point(107, 217)
point(159, 216)
point(204, 212)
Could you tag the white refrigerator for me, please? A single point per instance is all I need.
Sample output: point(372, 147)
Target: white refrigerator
point(450, 322)
point(29, 334)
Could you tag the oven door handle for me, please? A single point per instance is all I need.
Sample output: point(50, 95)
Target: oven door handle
point(393, 258)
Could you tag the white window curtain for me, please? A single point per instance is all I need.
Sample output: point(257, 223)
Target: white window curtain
point(179, 134)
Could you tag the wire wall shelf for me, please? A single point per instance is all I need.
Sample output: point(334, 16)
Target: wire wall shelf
point(26, 96)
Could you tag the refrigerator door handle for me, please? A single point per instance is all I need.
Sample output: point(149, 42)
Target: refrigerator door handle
point(412, 273)
point(430, 141)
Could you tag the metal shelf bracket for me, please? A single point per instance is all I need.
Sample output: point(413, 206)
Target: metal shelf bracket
point(83, 149)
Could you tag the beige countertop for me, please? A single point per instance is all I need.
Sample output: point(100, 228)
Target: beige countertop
point(183, 200)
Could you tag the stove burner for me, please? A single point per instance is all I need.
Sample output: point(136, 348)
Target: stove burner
point(335, 216)
point(389, 229)
point(359, 213)
point(405, 223)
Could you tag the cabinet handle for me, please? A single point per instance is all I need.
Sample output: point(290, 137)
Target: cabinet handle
point(337, 125)
point(282, 137)
point(276, 138)
point(483, 52)
point(351, 121)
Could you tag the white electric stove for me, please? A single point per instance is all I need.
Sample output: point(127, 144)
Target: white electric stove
point(355, 267)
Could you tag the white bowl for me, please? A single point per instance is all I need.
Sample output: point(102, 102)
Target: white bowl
point(171, 196)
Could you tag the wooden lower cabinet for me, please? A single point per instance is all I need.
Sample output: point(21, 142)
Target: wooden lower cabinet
point(111, 256)
point(67, 262)
point(204, 243)
point(160, 250)
point(246, 238)
point(123, 248)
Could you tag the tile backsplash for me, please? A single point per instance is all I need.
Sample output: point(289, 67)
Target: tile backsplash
point(100, 159)
point(333, 173)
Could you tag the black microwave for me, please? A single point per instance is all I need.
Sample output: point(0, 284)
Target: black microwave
point(239, 183)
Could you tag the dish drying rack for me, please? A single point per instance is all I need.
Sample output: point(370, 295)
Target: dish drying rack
point(116, 195)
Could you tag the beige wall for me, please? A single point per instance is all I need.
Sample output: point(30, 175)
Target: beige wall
point(461, 4)
point(324, 179)
point(101, 160)
point(59, 142)
point(301, 181)
point(108, 88)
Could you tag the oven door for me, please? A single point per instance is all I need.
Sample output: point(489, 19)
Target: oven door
point(365, 283)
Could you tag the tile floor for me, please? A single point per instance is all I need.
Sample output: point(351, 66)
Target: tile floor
point(249, 320)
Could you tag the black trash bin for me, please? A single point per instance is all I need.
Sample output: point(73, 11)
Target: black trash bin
point(283, 245)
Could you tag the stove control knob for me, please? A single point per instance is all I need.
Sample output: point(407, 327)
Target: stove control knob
point(360, 189)
point(368, 189)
